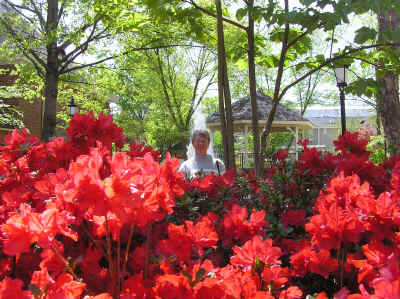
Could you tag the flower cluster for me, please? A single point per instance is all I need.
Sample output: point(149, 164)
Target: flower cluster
point(78, 220)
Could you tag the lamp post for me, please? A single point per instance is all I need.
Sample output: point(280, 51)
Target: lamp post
point(72, 108)
point(341, 80)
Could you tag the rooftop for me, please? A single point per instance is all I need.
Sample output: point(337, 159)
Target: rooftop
point(241, 110)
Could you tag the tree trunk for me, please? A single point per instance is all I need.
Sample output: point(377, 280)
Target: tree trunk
point(277, 97)
point(225, 109)
point(52, 76)
point(253, 90)
point(229, 116)
point(389, 108)
point(50, 106)
point(388, 86)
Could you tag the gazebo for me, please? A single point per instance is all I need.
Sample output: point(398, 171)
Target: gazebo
point(285, 120)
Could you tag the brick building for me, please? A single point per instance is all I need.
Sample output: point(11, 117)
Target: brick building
point(32, 112)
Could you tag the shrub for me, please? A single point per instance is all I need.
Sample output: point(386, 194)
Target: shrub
point(81, 221)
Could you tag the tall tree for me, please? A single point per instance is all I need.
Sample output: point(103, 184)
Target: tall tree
point(159, 91)
point(253, 84)
point(224, 95)
point(388, 104)
point(52, 35)
point(379, 88)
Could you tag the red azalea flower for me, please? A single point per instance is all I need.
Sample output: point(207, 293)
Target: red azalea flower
point(342, 294)
point(65, 287)
point(311, 162)
point(190, 236)
point(340, 217)
point(17, 143)
point(350, 143)
point(42, 279)
point(307, 260)
point(282, 154)
point(322, 296)
point(134, 287)
point(294, 217)
point(107, 132)
point(51, 261)
point(210, 288)
point(102, 296)
point(292, 246)
point(12, 289)
point(173, 286)
point(239, 284)
point(81, 131)
point(95, 276)
point(276, 276)
point(22, 229)
point(255, 251)
point(139, 150)
point(236, 226)
point(291, 293)
point(395, 181)
point(85, 131)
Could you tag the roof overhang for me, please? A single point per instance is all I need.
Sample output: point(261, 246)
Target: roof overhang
point(277, 126)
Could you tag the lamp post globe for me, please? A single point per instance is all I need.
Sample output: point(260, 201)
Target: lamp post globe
point(72, 108)
point(341, 81)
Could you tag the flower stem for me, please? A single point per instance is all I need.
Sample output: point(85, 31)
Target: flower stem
point(110, 261)
point(128, 247)
point(147, 261)
point(58, 254)
point(95, 242)
point(119, 265)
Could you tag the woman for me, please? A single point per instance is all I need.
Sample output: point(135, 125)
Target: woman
point(202, 163)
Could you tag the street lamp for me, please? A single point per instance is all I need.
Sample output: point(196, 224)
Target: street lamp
point(341, 80)
point(72, 108)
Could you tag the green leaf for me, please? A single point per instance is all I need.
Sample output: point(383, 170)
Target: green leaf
point(362, 86)
point(306, 2)
point(320, 58)
point(242, 64)
point(187, 275)
point(35, 290)
point(241, 13)
point(300, 66)
point(199, 275)
point(364, 34)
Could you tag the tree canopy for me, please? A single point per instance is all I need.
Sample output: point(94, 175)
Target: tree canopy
point(160, 50)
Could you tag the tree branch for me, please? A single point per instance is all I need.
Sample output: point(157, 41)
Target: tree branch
point(164, 85)
point(366, 61)
point(81, 66)
point(61, 11)
point(303, 34)
point(210, 13)
point(67, 59)
point(28, 53)
point(17, 9)
point(82, 29)
point(329, 61)
point(37, 12)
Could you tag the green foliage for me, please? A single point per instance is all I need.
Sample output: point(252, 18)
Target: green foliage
point(217, 142)
point(209, 105)
point(28, 85)
point(10, 117)
point(376, 146)
point(363, 86)
point(365, 34)
point(157, 90)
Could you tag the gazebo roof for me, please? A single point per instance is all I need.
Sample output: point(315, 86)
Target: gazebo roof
point(241, 111)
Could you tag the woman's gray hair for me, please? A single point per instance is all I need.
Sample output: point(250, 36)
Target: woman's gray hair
point(202, 133)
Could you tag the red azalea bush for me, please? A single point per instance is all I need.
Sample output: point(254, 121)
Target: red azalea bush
point(79, 219)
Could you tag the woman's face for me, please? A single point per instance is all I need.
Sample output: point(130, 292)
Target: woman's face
point(200, 145)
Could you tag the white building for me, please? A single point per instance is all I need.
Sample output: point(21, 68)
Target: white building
point(328, 123)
